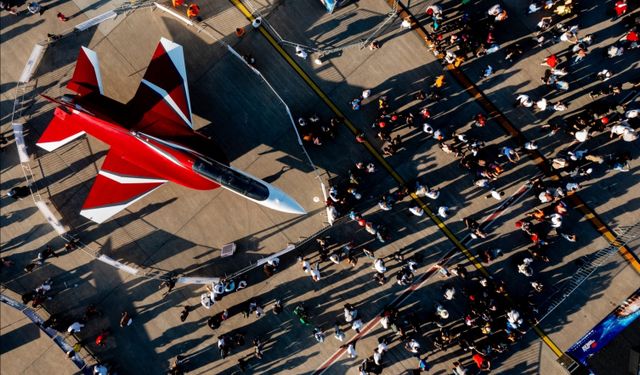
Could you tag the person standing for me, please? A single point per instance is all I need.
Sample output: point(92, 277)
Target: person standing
point(301, 53)
point(193, 11)
point(379, 266)
point(19, 192)
point(621, 8)
point(34, 7)
point(318, 335)
point(125, 319)
point(75, 327)
point(350, 313)
point(357, 325)
point(184, 313)
point(258, 346)
point(339, 333)
point(102, 337)
point(315, 272)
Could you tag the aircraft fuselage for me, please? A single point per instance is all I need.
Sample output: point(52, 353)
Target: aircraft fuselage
point(143, 150)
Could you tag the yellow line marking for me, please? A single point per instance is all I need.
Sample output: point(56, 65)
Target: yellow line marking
point(548, 341)
point(238, 4)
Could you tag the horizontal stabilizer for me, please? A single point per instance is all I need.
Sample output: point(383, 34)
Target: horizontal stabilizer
point(118, 185)
point(59, 132)
point(86, 76)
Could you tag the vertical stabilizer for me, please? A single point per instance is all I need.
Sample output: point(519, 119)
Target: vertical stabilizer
point(86, 77)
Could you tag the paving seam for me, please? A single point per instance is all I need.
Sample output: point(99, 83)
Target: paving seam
point(442, 227)
point(514, 133)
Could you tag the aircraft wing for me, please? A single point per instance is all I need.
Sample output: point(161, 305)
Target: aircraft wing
point(118, 185)
point(162, 102)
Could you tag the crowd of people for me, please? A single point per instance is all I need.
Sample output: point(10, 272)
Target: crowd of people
point(492, 319)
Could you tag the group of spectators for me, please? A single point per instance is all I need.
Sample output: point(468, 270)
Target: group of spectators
point(492, 320)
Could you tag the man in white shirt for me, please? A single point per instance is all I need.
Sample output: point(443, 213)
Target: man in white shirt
point(413, 346)
point(524, 100)
point(541, 104)
point(416, 210)
point(301, 53)
point(315, 272)
point(382, 346)
point(379, 265)
point(377, 357)
point(75, 327)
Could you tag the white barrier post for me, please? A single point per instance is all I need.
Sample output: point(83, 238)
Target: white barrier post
point(174, 14)
point(95, 20)
point(18, 135)
point(31, 64)
point(55, 223)
point(118, 265)
point(276, 255)
point(198, 280)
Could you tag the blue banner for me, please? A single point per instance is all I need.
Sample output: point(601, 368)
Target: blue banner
point(605, 331)
point(331, 5)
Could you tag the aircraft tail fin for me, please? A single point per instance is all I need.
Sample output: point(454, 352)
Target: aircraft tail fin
point(86, 77)
point(162, 98)
point(59, 132)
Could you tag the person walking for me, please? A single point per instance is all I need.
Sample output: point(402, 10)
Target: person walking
point(351, 350)
point(318, 335)
point(258, 347)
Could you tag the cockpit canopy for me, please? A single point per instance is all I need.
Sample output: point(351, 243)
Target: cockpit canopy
point(231, 179)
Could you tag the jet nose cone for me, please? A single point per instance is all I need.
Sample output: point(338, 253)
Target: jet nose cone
point(280, 201)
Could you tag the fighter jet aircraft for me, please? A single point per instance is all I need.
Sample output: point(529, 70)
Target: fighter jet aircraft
point(151, 137)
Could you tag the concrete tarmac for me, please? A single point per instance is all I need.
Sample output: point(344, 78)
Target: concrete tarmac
point(179, 230)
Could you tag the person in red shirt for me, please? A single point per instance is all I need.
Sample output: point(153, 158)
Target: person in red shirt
point(551, 61)
point(482, 362)
point(193, 11)
point(621, 7)
point(102, 338)
point(632, 36)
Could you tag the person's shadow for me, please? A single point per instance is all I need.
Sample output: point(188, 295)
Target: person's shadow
point(270, 179)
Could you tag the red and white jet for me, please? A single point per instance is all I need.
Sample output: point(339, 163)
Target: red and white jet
point(151, 137)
